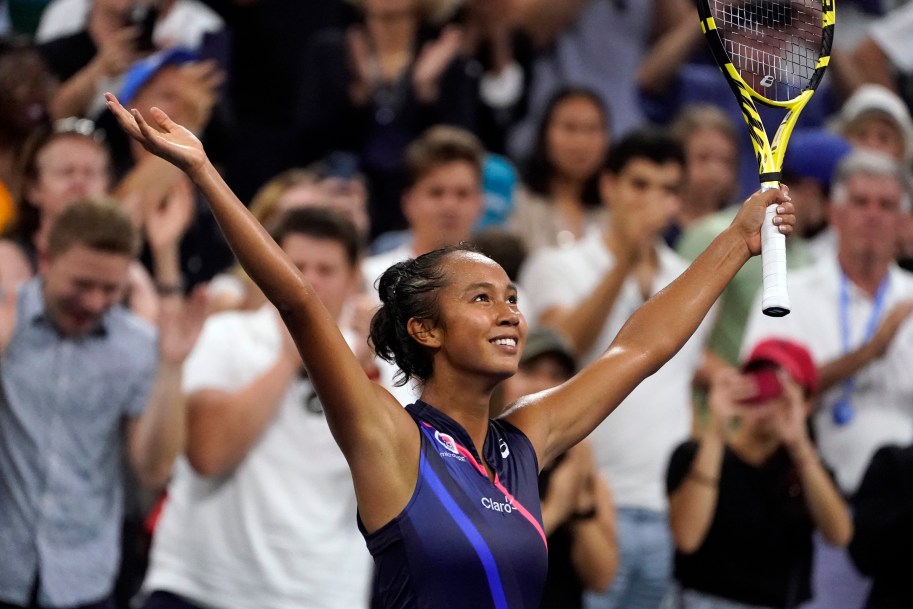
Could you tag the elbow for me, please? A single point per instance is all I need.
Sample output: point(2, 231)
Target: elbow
point(686, 543)
point(154, 477)
point(208, 463)
point(840, 534)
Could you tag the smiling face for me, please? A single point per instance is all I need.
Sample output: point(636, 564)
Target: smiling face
point(80, 285)
point(480, 330)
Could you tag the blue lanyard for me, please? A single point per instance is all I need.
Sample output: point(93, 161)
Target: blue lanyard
point(842, 411)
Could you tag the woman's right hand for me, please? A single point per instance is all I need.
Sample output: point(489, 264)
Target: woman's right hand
point(166, 139)
point(727, 388)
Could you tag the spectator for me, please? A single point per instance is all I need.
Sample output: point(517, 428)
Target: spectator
point(588, 291)
point(90, 45)
point(577, 512)
point(176, 82)
point(324, 184)
point(443, 197)
point(85, 385)
point(883, 515)
point(882, 57)
point(61, 164)
point(501, 54)
point(874, 118)
point(260, 460)
point(711, 146)
point(403, 77)
point(597, 44)
point(560, 203)
point(744, 500)
point(26, 88)
point(851, 308)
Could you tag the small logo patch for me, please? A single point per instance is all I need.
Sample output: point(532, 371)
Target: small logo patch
point(767, 81)
point(446, 441)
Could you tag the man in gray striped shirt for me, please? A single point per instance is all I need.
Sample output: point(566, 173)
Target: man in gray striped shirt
point(86, 386)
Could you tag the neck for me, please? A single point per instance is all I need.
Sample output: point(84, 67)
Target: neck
point(866, 272)
point(463, 400)
point(754, 448)
point(566, 190)
point(391, 34)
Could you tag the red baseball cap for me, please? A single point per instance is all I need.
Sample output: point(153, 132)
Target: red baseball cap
point(791, 356)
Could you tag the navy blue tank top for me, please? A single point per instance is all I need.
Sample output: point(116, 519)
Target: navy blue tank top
point(463, 541)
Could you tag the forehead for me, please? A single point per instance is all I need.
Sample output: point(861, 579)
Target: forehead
point(72, 147)
point(870, 184)
point(84, 263)
point(470, 268)
point(303, 248)
point(645, 169)
point(451, 171)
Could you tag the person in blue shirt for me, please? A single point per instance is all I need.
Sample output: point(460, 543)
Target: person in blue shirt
point(447, 496)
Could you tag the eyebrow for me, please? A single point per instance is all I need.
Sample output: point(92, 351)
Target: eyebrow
point(488, 285)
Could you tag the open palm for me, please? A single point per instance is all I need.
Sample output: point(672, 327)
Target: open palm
point(165, 138)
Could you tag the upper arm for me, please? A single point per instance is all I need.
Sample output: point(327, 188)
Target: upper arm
point(378, 438)
point(556, 419)
point(14, 266)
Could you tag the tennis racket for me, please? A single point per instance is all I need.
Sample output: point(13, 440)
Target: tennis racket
point(772, 52)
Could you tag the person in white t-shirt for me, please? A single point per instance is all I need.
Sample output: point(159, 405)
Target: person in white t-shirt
point(442, 203)
point(588, 291)
point(261, 510)
point(852, 309)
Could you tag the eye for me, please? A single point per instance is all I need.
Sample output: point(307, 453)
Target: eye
point(512, 299)
point(480, 297)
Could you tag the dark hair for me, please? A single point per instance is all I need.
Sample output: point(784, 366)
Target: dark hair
point(650, 143)
point(407, 290)
point(99, 224)
point(539, 167)
point(320, 223)
point(440, 145)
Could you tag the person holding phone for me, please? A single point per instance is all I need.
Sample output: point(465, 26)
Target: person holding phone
point(745, 499)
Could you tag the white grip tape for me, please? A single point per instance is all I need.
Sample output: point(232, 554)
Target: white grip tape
point(774, 298)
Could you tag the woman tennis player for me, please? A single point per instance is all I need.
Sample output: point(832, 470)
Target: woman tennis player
point(448, 498)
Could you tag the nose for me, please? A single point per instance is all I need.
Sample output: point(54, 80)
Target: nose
point(95, 301)
point(508, 314)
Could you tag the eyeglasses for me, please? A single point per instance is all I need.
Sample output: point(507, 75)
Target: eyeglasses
point(81, 126)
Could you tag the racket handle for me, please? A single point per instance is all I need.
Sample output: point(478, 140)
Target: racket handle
point(774, 297)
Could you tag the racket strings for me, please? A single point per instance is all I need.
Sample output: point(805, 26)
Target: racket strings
point(774, 44)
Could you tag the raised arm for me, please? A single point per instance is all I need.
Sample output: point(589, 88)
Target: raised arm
point(559, 418)
point(375, 434)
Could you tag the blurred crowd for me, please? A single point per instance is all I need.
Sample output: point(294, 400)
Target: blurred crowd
point(161, 445)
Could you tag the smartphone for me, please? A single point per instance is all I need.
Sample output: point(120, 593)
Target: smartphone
point(144, 16)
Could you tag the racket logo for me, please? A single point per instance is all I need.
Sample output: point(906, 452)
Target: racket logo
point(767, 81)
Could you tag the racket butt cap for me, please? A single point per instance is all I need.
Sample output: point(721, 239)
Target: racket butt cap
point(776, 311)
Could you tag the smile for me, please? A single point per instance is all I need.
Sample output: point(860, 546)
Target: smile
point(507, 342)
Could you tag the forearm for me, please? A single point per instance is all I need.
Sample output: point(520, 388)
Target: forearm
point(74, 95)
point(150, 180)
point(258, 254)
point(823, 500)
point(582, 324)
point(222, 428)
point(660, 66)
point(594, 553)
point(835, 372)
point(660, 327)
point(158, 435)
point(692, 505)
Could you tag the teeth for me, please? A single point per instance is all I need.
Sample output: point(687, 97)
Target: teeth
point(512, 342)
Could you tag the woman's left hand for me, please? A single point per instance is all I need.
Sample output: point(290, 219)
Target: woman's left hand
point(751, 216)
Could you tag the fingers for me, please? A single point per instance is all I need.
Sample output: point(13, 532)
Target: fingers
point(124, 117)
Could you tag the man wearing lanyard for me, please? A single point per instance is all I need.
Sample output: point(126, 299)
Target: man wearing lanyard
point(851, 309)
